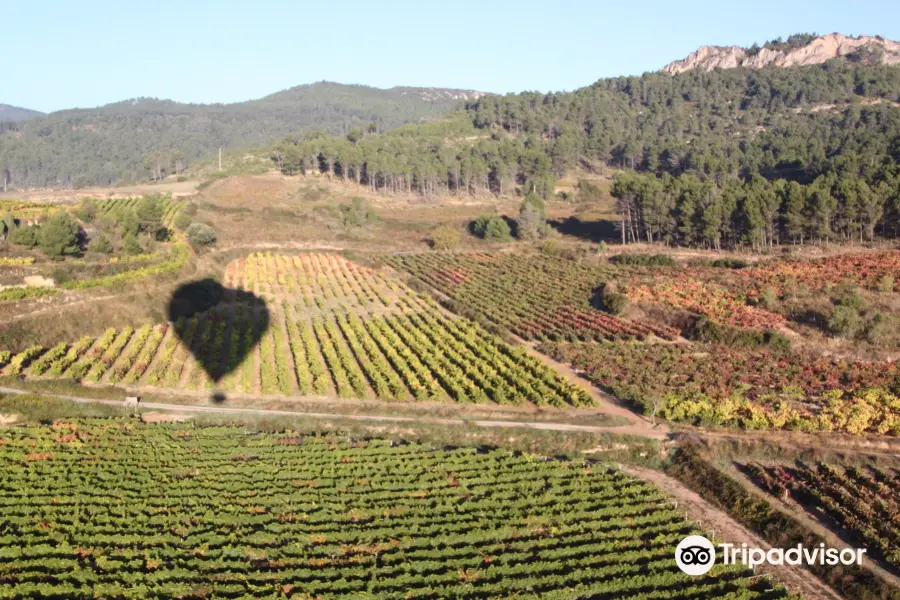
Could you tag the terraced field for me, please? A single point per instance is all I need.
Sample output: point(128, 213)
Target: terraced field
point(117, 509)
point(171, 207)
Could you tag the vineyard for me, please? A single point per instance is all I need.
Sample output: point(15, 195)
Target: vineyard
point(708, 299)
point(863, 501)
point(536, 297)
point(118, 509)
point(27, 211)
point(171, 207)
point(866, 270)
point(159, 264)
point(721, 386)
point(332, 328)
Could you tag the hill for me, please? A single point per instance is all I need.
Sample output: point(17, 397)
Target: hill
point(145, 137)
point(797, 50)
point(10, 113)
point(727, 157)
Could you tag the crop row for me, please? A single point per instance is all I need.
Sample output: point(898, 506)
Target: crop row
point(536, 297)
point(406, 350)
point(6, 261)
point(171, 207)
point(319, 281)
point(864, 501)
point(723, 386)
point(125, 510)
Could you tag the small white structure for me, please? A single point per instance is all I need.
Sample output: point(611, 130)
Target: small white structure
point(132, 402)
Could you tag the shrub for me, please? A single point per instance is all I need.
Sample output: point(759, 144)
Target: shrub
point(885, 284)
point(59, 235)
point(729, 263)
point(769, 298)
point(127, 221)
point(645, 260)
point(491, 227)
point(131, 244)
point(8, 223)
point(479, 226)
point(609, 299)
point(357, 214)
point(201, 234)
point(60, 276)
point(87, 210)
point(182, 221)
point(883, 330)
point(777, 342)
point(710, 332)
point(24, 236)
point(615, 302)
point(845, 321)
point(532, 224)
point(102, 244)
point(445, 237)
point(849, 296)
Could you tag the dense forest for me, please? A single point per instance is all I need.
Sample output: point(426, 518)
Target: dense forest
point(720, 144)
point(148, 138)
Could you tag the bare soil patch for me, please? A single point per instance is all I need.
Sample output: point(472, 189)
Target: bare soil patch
point(165, 417)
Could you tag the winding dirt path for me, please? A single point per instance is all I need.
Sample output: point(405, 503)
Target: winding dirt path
point(796, 579)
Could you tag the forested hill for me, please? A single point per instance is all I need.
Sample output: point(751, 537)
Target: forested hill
point(700, 133)
point(9, 114)
point(141, 138)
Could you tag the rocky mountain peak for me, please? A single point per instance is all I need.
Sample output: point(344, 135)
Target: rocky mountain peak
point(870, 49)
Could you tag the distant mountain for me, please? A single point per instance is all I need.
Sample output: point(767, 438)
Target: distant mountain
point(10, 113)
point(798, 50)
point(118, 142)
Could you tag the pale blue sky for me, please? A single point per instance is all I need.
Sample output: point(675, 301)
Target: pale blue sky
point(64, 53)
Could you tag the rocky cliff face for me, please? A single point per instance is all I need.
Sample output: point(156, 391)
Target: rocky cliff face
point(872, 49)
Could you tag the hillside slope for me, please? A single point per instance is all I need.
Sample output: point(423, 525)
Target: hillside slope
point(732, 156)
point(799, 50)
point(9, 113)
point(117, 143)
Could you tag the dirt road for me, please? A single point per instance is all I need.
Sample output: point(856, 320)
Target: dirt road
point(796, 579)
point(221, 410)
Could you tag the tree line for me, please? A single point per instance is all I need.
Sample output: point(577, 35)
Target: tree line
point(728, 157)
point(417, 160)
point(757, 212)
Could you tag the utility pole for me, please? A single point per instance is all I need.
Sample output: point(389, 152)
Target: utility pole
point(220, 158)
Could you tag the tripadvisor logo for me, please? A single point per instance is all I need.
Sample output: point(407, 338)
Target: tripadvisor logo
point(696, 555)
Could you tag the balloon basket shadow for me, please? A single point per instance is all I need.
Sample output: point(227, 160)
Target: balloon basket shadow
point(218, 397)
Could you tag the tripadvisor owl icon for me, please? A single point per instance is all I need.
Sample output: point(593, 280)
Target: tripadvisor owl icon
point(695, 555)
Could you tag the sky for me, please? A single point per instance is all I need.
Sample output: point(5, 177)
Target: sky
point(63, 54)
